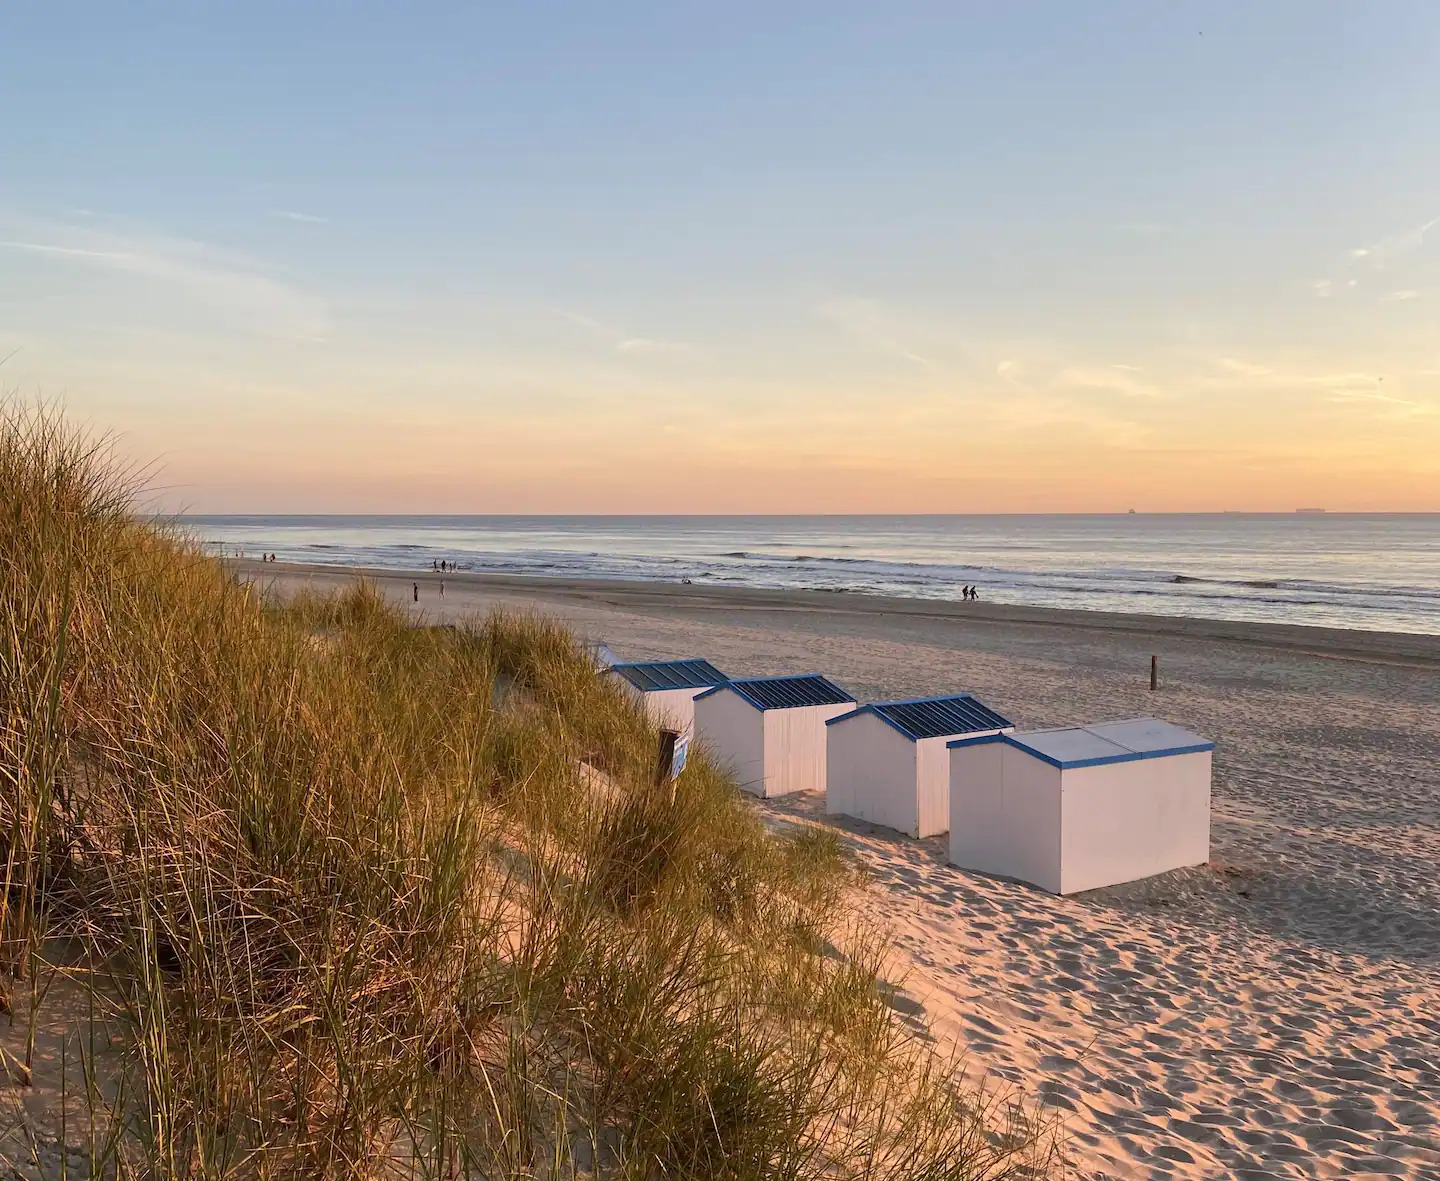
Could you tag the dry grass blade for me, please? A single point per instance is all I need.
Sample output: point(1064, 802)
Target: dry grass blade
point(378, 900)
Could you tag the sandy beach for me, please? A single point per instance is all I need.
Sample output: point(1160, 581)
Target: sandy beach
point(1273, 1014)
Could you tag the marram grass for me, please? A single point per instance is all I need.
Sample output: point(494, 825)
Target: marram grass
point(370, 899)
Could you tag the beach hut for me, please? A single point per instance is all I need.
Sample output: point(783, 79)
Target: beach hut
point(601, 655)
point(888, 763)
point(770, 731)
point(668, 688)
point(1084, 807)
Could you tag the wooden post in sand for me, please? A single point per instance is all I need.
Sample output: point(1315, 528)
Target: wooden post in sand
point(1154, 673)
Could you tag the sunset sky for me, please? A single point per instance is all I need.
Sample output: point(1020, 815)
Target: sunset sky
point(733, 257)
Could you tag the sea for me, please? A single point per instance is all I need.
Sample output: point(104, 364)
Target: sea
point(1370, 571)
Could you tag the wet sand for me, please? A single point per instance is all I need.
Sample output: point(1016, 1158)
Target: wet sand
point(1273, 1014)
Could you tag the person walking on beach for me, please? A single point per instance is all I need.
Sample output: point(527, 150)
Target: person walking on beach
point(415, 590)
point(442, 588)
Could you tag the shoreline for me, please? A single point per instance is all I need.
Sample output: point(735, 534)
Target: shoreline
point(1413, 649)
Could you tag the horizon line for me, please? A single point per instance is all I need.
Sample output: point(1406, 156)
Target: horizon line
point(1302, 512)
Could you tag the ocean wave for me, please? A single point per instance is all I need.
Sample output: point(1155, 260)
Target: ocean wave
point(1184, 569)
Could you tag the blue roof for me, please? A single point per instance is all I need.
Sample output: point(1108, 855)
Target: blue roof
point(651, 675)
point(793, 692)
point(934, 717)
point(1094, 746)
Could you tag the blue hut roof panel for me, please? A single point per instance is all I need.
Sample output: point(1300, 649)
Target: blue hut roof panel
point(790, 692)
point(650, 676)
point(938, 717)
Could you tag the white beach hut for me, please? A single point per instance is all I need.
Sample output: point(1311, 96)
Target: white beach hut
point(601, 655)
point(770, 731)
point(668, 688)
point(888, 763)
point(1079, 808)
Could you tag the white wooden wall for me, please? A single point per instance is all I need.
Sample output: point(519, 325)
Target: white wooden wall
point(932, 787)
point(795, 747)
point(733, 732)
point(870, 773)
point(673, 709)
point(1124, 821)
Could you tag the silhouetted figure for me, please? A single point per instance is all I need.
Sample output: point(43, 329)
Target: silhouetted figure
point(434, 565)
point(415, 590)
point(975, 593)
point(442, 588)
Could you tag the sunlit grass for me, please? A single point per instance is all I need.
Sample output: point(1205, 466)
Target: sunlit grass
point(374, 899)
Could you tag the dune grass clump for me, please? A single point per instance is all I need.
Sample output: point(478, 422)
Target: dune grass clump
point(373, 899)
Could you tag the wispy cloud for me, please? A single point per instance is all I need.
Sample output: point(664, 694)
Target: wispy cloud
point(207, 274)
point(1243, 368)
point(583, 321)
point(1400, 296)
point(1128, 368)
point(1397, 244)
point(875, 325)
point(1377, 399)
point(1083, 377)
point(1368, 260)
point(640, 346)
point(1330, 385)
point(621, 341)
point(120, 258)
point(293, 215)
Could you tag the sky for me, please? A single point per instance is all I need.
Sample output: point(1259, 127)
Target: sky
point(732, 257)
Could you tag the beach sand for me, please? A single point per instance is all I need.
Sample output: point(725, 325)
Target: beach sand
point(1273, 1014)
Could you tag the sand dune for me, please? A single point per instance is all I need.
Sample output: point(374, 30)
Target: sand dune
point(1273, 1014)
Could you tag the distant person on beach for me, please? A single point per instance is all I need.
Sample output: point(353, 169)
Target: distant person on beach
point(415, 590)
point(975, 594)
point(442, 588)
point(965, 591)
